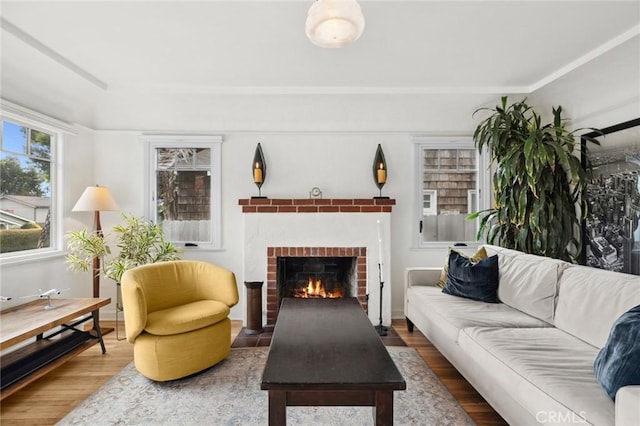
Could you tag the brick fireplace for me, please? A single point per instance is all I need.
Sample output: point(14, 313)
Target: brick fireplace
point(276, 228)
point(275, 253)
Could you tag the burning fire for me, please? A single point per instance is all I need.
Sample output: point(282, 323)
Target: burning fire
point(315, 288)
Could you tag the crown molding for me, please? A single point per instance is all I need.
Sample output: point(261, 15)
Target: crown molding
point(317, 90)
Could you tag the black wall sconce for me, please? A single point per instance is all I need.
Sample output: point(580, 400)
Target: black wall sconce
point(380, 170)
point(259, 170)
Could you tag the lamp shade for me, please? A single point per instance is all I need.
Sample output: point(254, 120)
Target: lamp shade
point(95, 198)
point(334, 23)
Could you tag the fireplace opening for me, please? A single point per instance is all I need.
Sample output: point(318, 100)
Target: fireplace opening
point(292, 267)
point(316, 277)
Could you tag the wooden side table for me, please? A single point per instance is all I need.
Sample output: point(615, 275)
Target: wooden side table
point(62, 341)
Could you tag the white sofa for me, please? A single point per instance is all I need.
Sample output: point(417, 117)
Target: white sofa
point(531, 356)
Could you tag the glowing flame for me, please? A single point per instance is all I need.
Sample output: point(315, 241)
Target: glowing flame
point(315, 288)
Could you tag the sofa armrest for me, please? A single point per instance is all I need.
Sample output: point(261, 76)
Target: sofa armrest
point(422, 276)
point(628, 406)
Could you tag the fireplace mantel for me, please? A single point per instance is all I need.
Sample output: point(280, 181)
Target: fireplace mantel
point(317, 205)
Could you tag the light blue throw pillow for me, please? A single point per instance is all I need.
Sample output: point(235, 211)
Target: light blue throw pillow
point(618, 362)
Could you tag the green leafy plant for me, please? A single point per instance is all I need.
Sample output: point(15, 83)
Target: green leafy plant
point(538, 181)
point(138, 242)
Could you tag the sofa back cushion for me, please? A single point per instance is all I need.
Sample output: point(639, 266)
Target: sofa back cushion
point(528, 282)
point(590, 300)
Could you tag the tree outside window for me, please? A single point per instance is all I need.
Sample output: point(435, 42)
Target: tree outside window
point(25, 188)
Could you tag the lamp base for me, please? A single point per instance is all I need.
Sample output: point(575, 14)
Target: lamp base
point(380, 198)
point(260, 197)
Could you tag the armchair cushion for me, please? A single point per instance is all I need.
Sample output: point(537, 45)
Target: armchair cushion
point(188, 317)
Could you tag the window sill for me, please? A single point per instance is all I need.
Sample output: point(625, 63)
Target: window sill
point(439, 245)
point(199, 248)
point(19, 258)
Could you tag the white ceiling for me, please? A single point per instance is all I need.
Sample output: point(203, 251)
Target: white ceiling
point(68, 58)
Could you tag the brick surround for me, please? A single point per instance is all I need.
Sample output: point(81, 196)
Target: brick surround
point(360, 253)
point(317, 205)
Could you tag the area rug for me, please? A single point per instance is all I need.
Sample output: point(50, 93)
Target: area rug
point(229, 394)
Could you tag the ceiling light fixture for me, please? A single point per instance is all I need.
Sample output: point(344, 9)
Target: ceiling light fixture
point(334, 23)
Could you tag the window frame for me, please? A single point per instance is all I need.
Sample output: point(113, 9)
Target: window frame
point(213, 142)
point(483, 184)
point(471, 193)
point(57, 129)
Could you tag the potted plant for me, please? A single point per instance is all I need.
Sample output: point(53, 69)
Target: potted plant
point(139, 242)
point(537, 184)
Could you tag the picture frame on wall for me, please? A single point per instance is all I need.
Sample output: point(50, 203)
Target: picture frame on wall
point(611, 229)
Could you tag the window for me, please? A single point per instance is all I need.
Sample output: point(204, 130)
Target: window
point(450, 180)
point(429, 202)
point(27, 190)
point(184, 187)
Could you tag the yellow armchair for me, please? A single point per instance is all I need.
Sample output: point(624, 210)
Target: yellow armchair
point(176, 315)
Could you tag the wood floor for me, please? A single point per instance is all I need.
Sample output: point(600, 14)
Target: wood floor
point(50, 398)
point(477, 408)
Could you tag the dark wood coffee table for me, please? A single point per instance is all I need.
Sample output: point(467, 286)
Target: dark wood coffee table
point(326, 352)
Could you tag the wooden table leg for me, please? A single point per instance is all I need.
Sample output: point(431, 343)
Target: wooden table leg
point(277, 408)
point(384, 408)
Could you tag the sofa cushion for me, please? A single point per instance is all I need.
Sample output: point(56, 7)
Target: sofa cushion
point(472, 280)
point(477, 256)
point(590, 300)
point(187, 317)
point(618, 362)
point(451, 314)
point(547, 370)
point(528, 282)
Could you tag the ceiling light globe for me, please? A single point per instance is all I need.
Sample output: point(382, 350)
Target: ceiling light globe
point(334, 23)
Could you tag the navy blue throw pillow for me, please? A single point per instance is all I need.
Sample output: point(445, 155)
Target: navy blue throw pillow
point(477, 281)
point(618, 362)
